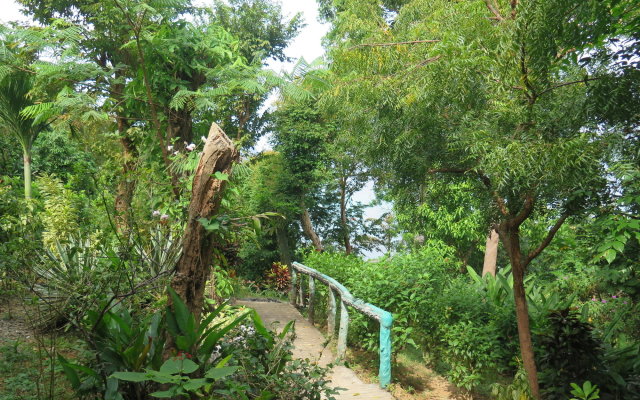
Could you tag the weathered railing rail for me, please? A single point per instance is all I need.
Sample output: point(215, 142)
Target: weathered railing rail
point(346, 298)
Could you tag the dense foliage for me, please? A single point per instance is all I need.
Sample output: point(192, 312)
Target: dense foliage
point(515, 117)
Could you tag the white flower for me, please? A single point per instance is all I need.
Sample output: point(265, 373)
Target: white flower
point(170, 148)
point(203, 138)
point(191, 147)
point(155, 213)
point(175, 153)
point(164, 217)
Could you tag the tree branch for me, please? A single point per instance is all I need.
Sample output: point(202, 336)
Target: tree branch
point(450, 170)
point(559, 85)
point(494, 9)
point(552, 232)
point(394, 43)
point(484, 178)
point(525, 212)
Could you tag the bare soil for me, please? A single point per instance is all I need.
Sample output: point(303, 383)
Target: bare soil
point(14, 323)
point(412, 380)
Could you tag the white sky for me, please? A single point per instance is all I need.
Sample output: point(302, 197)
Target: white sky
point(9, 11)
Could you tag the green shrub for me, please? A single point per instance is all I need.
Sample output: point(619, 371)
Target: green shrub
point(61, 211)
point(215, 355)
point(406, 286)
point(568, 352)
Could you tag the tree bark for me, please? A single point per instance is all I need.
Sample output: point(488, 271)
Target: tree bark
point(510, 236)
point(127, 185)
point(307, 228)
point(491, 253)
point(343, 215)
point(283, 245)
point(180, 126)
point(193, 268)
point(26, 160)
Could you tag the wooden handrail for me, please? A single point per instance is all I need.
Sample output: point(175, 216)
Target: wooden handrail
point(385, 318)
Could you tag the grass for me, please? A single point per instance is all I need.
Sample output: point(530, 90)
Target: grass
point(27, 370)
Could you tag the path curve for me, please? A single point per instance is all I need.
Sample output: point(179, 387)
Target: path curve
point(309, 343)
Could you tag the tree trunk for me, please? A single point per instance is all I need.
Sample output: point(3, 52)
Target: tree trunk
point(127, 185)
point(491, 253)
point(510, 237)
point(26, 159)
point(193, 268)
point(283, 245)
point(307, 228)
point(180, 126)
point(343, 216)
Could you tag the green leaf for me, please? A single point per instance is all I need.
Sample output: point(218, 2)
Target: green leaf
point(176, 365)
point(211, 340)
point(260, 328)
point(619, 246)
point(208, 225)
point(184, 317)
point(221, 176)
point(217, 373)
point(286, 329)
point(223, 362)
point(166, 394)
point(194, 384)
point(71, 374)
point(131, 376)
point(610, 255)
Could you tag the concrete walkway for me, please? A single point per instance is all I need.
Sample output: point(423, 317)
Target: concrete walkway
point(309, 343)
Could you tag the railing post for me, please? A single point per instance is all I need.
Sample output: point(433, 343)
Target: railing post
point(312, 293)
point(343, 331)
point(331, 313)
point(302, 296)
point(384, 372)
point(294, 282)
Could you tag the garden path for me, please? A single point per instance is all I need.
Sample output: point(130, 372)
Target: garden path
point(310, 343)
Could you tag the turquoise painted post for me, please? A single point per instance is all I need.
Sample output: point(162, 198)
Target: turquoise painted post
point(312, 294)
point(384, 373)
point(331, 314)
point(292, 291)
point(385, 318)
point(302, 296)
point(343, 331)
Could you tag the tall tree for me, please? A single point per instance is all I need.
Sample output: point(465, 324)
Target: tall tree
point(301, 138)
point(493, 93)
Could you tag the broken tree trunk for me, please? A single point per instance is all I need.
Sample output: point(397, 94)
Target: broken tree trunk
point(194, 265)
point(491, 253)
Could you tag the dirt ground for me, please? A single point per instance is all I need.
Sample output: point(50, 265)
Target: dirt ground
point(414, 381)
point(13, 322)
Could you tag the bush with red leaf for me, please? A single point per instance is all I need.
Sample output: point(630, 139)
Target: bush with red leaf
point(278, 277)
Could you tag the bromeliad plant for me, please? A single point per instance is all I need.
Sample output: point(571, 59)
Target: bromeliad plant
point(123, 346)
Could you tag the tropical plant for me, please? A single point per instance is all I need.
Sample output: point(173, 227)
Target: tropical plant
point(175, 373)
point(15, 96)
point(586, 392)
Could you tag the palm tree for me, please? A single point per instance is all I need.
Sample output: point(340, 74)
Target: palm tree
point(14, 97)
